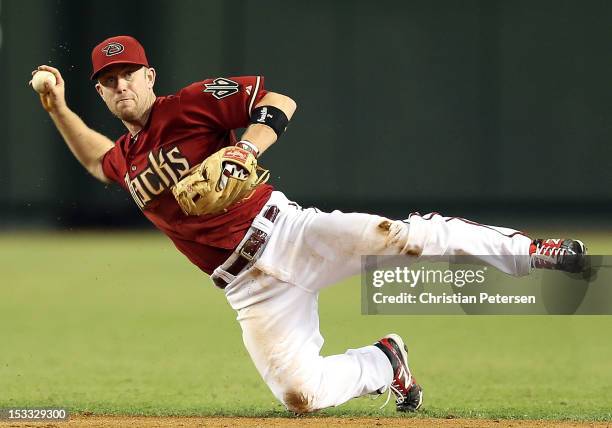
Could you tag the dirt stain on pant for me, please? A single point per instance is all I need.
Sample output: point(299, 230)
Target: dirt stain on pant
point(297, 402)
point(384, 225)
point(395, 237)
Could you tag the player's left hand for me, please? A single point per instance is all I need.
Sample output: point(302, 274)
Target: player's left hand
point(224, 178)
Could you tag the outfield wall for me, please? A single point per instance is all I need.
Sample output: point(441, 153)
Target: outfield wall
point(470, 107)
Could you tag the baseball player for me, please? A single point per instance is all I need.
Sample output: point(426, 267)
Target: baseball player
point(195, 181)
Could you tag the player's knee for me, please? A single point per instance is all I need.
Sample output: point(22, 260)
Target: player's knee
point(299, 399)
point(396, 237)
point(431, 230)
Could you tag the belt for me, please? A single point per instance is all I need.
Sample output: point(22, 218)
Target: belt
point(249, 249)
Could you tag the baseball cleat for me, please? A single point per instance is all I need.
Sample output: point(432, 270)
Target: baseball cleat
point(408, 393)
point(568, 255)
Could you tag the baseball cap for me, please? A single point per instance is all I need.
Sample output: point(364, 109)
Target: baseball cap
point(117, 50)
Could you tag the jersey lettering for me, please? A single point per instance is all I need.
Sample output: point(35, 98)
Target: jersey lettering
point(151, 181)
point(164, 170)
point(176, 158)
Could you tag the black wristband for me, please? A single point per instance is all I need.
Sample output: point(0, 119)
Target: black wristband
point(272, 117)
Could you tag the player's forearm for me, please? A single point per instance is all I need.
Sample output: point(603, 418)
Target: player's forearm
point(262, 136)
point(87, 145)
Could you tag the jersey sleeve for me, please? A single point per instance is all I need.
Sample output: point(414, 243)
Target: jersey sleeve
point(110, 164)
point(222, 103)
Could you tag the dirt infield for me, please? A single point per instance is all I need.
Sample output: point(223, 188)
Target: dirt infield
point(188, 422)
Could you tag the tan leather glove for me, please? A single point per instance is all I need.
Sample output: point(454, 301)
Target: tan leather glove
point(222, 179)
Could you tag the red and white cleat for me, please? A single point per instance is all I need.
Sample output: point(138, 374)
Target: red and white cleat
point(568, 255)
point(408, 393)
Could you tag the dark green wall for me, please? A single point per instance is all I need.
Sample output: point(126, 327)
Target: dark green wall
point(473, 107)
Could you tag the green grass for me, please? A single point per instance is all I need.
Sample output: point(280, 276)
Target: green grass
point(123, 324)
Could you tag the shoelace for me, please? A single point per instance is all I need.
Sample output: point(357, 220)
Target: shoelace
point(549, 254)
point(387, 400)
point(399, 398)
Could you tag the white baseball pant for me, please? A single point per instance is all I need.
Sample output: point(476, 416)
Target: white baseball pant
point(276, 298)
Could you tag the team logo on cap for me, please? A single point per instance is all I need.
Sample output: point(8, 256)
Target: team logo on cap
point(113, 49)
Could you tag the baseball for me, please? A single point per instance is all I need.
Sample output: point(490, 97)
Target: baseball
point(39, 79)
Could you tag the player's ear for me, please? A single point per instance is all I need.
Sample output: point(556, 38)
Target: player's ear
point(150, 77)
point(99, 88)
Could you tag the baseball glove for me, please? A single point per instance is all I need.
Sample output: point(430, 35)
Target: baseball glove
point(223, 179)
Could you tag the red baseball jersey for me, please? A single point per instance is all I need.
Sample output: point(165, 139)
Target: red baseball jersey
point(183, 130)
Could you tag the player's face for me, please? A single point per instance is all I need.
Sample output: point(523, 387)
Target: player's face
point(127, 90)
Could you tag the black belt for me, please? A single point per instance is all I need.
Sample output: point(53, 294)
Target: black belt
point(249, 249)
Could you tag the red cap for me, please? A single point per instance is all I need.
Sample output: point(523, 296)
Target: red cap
point(117, 50)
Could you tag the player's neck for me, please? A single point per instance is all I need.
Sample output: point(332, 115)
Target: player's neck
point(135, 126)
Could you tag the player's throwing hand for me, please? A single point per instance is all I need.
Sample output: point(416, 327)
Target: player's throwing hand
point(53, 97)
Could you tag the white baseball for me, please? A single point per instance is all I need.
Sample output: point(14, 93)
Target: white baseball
point(39, 79)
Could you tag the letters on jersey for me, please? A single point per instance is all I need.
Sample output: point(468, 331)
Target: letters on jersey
point(164, 169)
